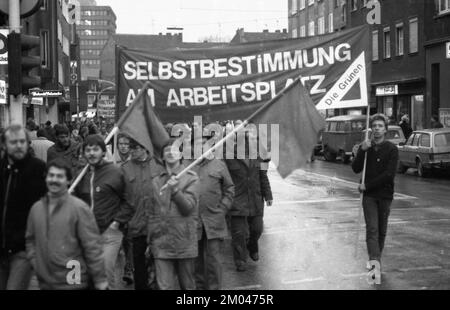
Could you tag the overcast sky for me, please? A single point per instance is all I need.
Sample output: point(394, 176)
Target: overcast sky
point(199, 18)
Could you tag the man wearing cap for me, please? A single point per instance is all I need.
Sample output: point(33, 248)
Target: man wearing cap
point(103, 189)
point(65, 148)
point(138, 172)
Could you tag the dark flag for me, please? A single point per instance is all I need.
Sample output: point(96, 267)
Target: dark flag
point(142, 124)
point(299, 126)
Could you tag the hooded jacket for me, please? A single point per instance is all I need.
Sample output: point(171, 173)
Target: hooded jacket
point(172, 234)
point(21, 185)
point(63, 243)
point(103, 189)
point(139, 187)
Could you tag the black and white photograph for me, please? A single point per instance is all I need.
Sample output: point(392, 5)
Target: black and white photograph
point(234, 148)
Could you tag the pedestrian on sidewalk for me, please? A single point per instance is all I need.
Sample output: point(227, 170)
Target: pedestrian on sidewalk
point(22, 183)
point(172, 223)
point(62, 239)
point(103, 189)
point(378, 186)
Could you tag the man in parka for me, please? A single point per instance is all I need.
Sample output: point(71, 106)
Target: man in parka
point(216, 192)
point(172, 224)
point(138, 173)
point(252, 187)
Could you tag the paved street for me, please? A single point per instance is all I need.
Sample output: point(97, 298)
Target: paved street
point(310, 234)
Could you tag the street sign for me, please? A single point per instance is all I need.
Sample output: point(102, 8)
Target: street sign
point(2, 92)
point(27, 8)
point(4, 46)
point(45, 93)
point(37, 100)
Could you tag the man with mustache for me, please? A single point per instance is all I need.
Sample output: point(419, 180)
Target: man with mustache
point(62, 239)
point(22, 183)
point(103, 189)
point(65, 148)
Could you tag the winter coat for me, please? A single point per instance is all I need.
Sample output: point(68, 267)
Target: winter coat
point(40, 147)
point(251, 185)
point(21, 185)
point(57, 241)
point(216, 193)
point(172, 234)
point(110, 202)
point(69, 155)
point(138, 182)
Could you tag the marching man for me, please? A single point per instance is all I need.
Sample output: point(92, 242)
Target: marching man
point(377, 188)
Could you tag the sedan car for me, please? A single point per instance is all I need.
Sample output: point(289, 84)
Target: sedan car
point(425, 150)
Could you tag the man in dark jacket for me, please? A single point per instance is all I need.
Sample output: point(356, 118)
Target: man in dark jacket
point(378, 187)
point(406, 127)
point(65, 148)
point(252, 187)
point(22, 183)
point(50, 131)
point(138, 172)
point(216, 193)
point(103, 189)
point(62, 240)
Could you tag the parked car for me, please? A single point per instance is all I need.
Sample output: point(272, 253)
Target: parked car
point(341, 134)
point(425, 150)
point(394, 135)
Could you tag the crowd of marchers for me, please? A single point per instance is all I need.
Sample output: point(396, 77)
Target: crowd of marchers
point(129, 220)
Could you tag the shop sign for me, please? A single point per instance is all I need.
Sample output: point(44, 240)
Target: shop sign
point(387, 90)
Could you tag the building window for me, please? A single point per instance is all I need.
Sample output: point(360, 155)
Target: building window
point(303, 31)
point(311, 29)
point(321, 25)
point(294, 33)
point(354, 5)
point(444, 6)
point(375, 45)
point(44, 5)
point(310, 2)
point(302, 4)
point(399, 35)
point(344, 13)
point(45, 49)
point(387, 42)
point(293, 7)
point(413, 35)
point(330, 22)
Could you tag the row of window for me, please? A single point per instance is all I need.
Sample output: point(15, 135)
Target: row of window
point(90, 62)
point(95, 13)
point(321, 29)
point(399, 40)
point(87, 22)
point(90, 52)
point(88, 32)
point(302, 5)
point(93, 42)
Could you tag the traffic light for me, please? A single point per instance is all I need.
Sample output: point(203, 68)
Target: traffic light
point(20, 63)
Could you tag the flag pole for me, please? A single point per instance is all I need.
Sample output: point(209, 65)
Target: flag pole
point(363, 178)
point(113, 132)
point(236, 129)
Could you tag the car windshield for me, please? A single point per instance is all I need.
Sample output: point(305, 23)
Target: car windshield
point(442, 139)
point(393, 134)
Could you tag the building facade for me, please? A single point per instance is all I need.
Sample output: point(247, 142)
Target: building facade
point(437, 60)
point(51, 25)
point(315, 17)
point(242, 36)
point(97, 25)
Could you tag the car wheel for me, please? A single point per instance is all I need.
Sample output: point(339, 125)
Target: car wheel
point(329, 156)
point(421, 171)
point(401, 168)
